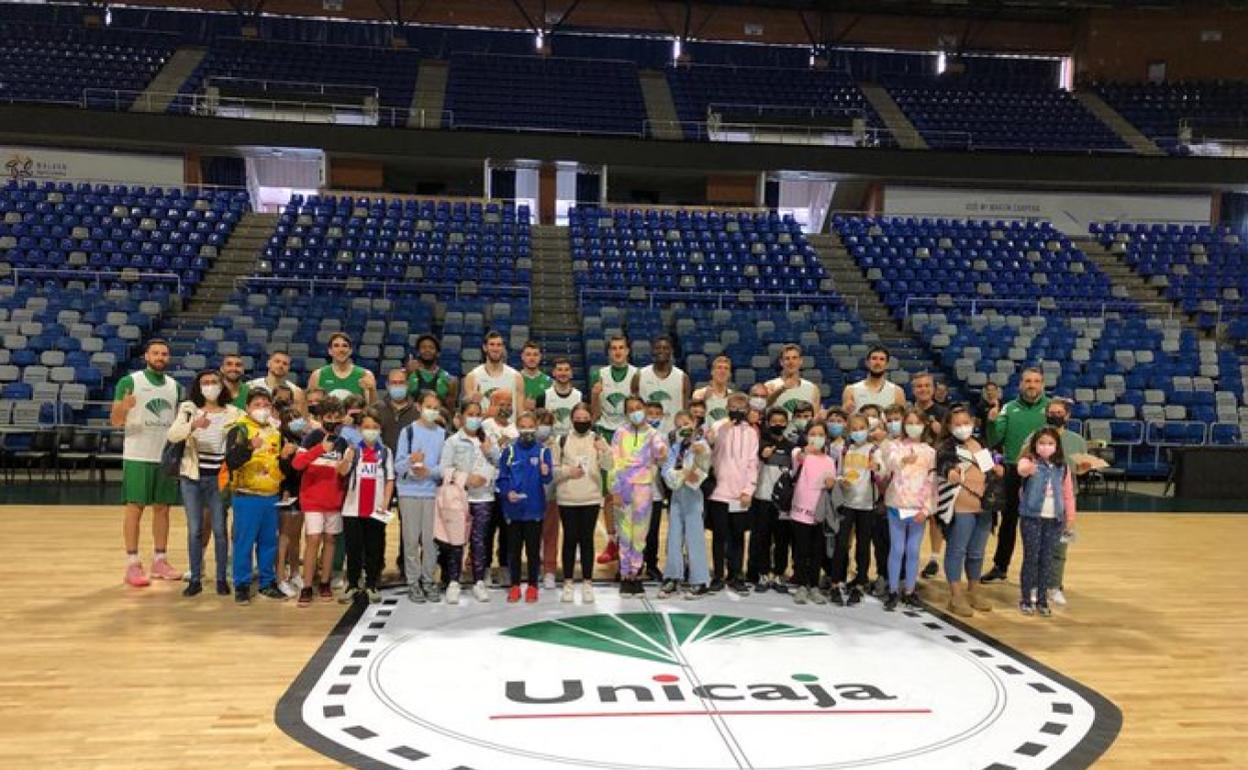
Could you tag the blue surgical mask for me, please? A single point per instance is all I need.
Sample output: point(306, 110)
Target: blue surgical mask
point(835, 429)
point(637, 417)
point(894, 427)
point(298, 426)
point(397, 392)
point(472, 424)
point(858, 436)
point(655, 423)
point(543, 432)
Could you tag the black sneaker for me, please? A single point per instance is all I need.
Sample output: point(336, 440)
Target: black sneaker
point(739, 587)
point(626, 588)
point(780, 586)
point(193, 588)
point(911, 600)
point(931, 569)
point(653, 573)
point(668, 588)
point(696, 592)
point(1043, 611)
point(223, 588)
point(639, 590)
point(762, 586)
point(716, 586)
point(306, 595)
point(273, 592)
point(835, 596)
point(890, 603)
point(242, 594)
point(993, 575)
point(855, 596)
point(880, 588)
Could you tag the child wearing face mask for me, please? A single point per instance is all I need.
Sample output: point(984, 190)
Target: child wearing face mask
point(636, 449)
point(859, 467)
point(688, 461)
point(1046, 509)
point(466, 455)
point(252, 451)
point(735, 462)
point(320, 494)
point(769, 526)
point(655, 415)
point(579, 459)
point(525, 467)
point(894, 415)
point(803, 413)
point(370, 487)
point(550, 519)
point(418, 465)
point(814, 472)
point(968, 468)
point(910, 463)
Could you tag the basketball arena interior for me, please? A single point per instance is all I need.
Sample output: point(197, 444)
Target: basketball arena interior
point(623, 384)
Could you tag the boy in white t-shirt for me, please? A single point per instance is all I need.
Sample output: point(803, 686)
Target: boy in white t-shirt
point(859, 462)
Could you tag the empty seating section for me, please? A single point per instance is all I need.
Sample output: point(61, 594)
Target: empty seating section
point(967, 113)
point(551, 94)
point(47, 63)
point(1013, 267)
point(1202, 268)
point(116, 236)
point(252, 63)
point(831, 94)
point(1157, 109)
point(391, 245)
point(701, 255)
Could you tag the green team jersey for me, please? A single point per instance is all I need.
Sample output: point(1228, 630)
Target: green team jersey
point(421, 381)
point(535, 387)
point(240, 400)
point(341, 387)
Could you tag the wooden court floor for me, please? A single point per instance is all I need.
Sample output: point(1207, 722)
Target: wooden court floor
point(100, 676)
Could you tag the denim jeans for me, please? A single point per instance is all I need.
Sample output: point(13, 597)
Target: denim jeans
point(965, 541)
point(905, 537)
point(685, 528)
point(200, 497)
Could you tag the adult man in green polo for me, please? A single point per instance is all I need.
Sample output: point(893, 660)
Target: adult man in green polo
point(144, 404)
point(1009, 426)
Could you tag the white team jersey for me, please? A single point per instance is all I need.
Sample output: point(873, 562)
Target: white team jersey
point(806, 391)
point(614, 395)
point(155, 407)
point(668, 391)
point(561, 407)
point(488, 383)
point(263, 382)
point(885, 397)
point(716, 406)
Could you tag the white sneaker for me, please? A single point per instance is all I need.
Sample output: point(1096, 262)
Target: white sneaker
point(452, 592)
point(297, 581)
point(288, 588)
point(1033, 596)
point(479, 592)
point(1057, 597)
point(587, 593)
point(339, 582)
point(548, 582)
point(566, 597)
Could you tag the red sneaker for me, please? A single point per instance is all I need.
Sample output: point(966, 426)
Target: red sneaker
point(610, 554)
point(513, 595)
point(135, 577)
point(530, 594)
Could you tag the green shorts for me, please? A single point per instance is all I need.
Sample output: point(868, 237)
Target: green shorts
point(144, 483)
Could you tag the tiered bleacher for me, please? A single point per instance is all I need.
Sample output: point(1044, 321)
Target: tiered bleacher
point(547, 94)
point(59, 63)
point(1158, 109)
point(1201, 268)
point(964, 112)
point(115, 236)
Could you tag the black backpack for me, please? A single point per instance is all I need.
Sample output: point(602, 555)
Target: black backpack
point(782, 492)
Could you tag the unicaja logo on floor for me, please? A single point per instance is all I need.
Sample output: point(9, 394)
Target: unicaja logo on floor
point(735, 684)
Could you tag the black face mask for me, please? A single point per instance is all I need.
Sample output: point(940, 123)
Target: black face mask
point(1055, 420)
point(314, 410)
point(331, 427)
point(776, 430)
point(581, 427)
point(737, 415)
point(281, 405)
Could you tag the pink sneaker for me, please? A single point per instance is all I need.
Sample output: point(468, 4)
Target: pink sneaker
point(135, 576)
point(161, 570)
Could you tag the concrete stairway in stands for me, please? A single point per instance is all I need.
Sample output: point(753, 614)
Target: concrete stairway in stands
point(1135, 285)
point(168, 81)
point(429, 96)
point(907, 136)
point(237, 259)
point(660, 107)
point(1118, 124)
point(555, 321)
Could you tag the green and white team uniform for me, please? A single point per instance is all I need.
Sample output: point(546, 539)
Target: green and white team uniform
point(421, 381)
point(805, 391)
point(668, 391)
point(883, 398)
point(561, 407)
point(339, 386)
point(716, 405)
point(535, 387)
point(617, 386)
point(488, 383)
point(156, 400)
point(263, 382)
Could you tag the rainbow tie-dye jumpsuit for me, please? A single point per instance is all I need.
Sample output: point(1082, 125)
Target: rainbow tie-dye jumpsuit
point(634, 454)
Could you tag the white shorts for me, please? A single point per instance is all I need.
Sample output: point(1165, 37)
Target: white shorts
point(317, 523)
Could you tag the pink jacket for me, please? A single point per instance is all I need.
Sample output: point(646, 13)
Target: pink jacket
point(913, 484)
point(734, 458)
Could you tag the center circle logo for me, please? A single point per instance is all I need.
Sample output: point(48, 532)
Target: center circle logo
point(720, 683)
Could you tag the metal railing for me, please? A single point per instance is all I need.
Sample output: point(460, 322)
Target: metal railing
point(1040, 306)
point(125, 276)
point(386, 287)
point(720, 300)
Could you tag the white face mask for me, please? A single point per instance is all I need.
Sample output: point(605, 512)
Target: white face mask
point(758, 404)
point(430, 415)
point(260, 415)
point(962, 432)
point(914, 431)
point(211, 392)
point(370, 435)
point(816, 442)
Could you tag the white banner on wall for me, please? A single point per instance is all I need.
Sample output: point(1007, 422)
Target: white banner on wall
point(1070, 212)
point(43, 164)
